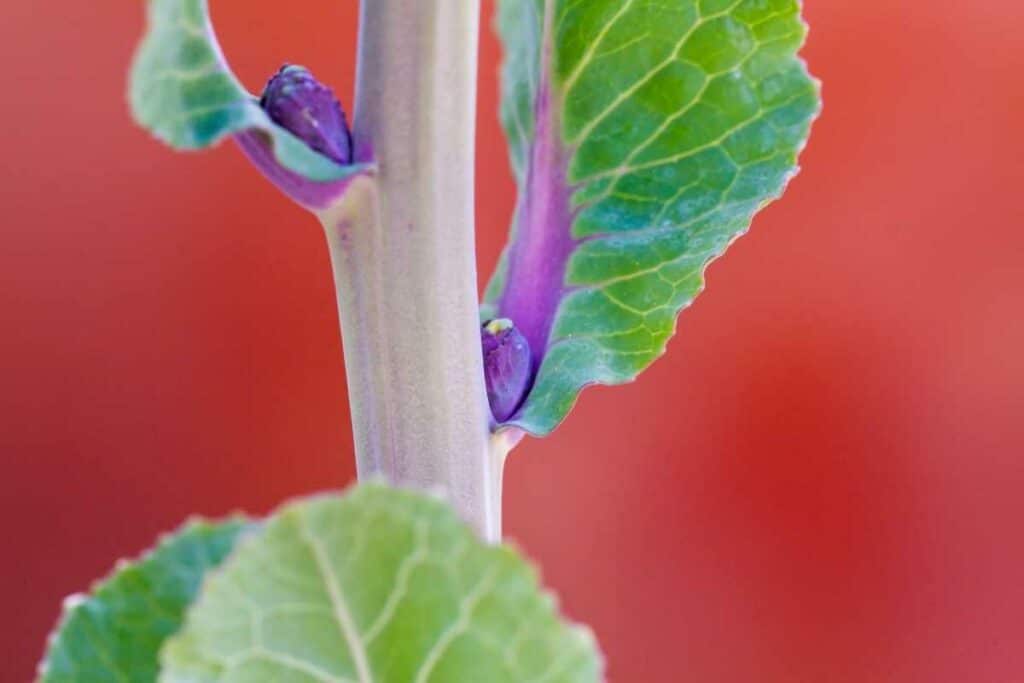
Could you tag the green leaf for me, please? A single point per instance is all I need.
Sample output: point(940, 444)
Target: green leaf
point(115, 633)
point(183, 91)
point(644, 135)
point(380, 585)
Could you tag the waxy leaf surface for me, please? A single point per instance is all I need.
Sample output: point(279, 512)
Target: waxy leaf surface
point(378, 586)
point(115, 634)
point(644, 136)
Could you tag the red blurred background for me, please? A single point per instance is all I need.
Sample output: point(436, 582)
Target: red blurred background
point(822, 481)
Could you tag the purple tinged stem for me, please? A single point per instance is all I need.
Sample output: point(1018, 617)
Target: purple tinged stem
point(535, 280)
point(316, 196)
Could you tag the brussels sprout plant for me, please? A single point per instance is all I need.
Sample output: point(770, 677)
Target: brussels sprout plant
point(643, 134)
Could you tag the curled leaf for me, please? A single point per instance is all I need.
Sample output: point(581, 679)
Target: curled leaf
point(183, 91)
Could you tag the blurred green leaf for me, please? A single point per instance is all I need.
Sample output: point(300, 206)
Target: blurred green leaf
point(380, 585)
point(115, 633)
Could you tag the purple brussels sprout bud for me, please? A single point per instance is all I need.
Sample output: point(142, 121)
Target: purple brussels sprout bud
point(508, 367)
point(308, 109)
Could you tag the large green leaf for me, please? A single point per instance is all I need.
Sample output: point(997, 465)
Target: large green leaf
point(183, 91)
point(380, 585)
point(644, 135)
point(115, 633)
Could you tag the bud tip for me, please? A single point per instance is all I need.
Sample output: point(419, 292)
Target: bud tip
point(308, 109)
point(508, 367)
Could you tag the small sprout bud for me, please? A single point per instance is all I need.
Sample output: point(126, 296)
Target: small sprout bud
point(308, 109)
point(508, 369)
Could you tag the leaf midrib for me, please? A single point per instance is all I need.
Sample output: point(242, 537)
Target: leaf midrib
point(342, 612)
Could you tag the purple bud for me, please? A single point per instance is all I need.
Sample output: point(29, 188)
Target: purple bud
point(307, 108)
point(508, 367)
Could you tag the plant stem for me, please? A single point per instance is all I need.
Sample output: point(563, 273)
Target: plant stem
point(402, 247)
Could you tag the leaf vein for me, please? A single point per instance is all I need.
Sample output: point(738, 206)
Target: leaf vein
point(342, 613)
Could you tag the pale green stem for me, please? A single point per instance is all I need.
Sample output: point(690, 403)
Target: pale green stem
point(402, 247)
